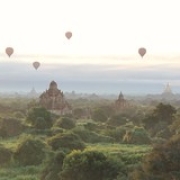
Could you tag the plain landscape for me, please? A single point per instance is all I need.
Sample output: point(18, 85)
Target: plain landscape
point(98, 137)
point(89, 90)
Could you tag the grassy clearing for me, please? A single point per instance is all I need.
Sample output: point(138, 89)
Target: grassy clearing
point(20, 173)
point(119, 148)
point(129, 154)
point(10, 143)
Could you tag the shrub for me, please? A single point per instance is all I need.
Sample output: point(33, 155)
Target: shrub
point(18, 114)
point(65, 122)
point(10, 127)
point(158, 140)
point(91, 137)
point(30, 152)
point(56, 130)
point(89, 165)
point(91, 126)
point(40, 123)
point(99, 115)
point(66, 141)
point(35, 131)
point(117, 133)
point(164, 133)
point(117, 120)
point(5, 155)
point(137, 136)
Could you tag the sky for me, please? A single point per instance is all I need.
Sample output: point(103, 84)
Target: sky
point(102, 54)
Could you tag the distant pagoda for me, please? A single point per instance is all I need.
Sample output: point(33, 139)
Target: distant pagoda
point(53, 99)
point(167, 93)
point(120, 103)
point(32, 93)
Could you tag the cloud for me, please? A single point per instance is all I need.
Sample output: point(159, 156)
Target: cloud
point(92, 71)
point(130, 75)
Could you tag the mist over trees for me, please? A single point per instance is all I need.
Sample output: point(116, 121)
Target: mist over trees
point(96, 140)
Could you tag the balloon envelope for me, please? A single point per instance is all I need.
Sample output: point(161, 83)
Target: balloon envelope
point(36, 65)
point(142, 51)
point(9, 51)
point(68, 34)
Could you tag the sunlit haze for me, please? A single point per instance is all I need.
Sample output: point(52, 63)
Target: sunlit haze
point(102, 54)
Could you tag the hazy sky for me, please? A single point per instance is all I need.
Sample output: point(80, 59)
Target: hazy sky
point(103, 48)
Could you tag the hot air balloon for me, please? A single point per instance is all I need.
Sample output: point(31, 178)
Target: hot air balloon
point(68, 34)
point(36, 65)
point(142, 51)
point(9, 51)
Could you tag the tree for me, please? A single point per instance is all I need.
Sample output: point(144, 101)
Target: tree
point(137, 135)
point(164, 112)
point(117, 120)
point(40, 123)
point(108, 109)
point(54, 167)
point(10, 127)
point(99, 115)
point(65, 123)
point(159, 119)
point(78, 112)
point(89, 165)
point(68, 141)
point(30, 152)
point(5, 155)
point(37, 113)
point(162, 163)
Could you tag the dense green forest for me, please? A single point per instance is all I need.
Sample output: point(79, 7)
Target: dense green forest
point(140, 142)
